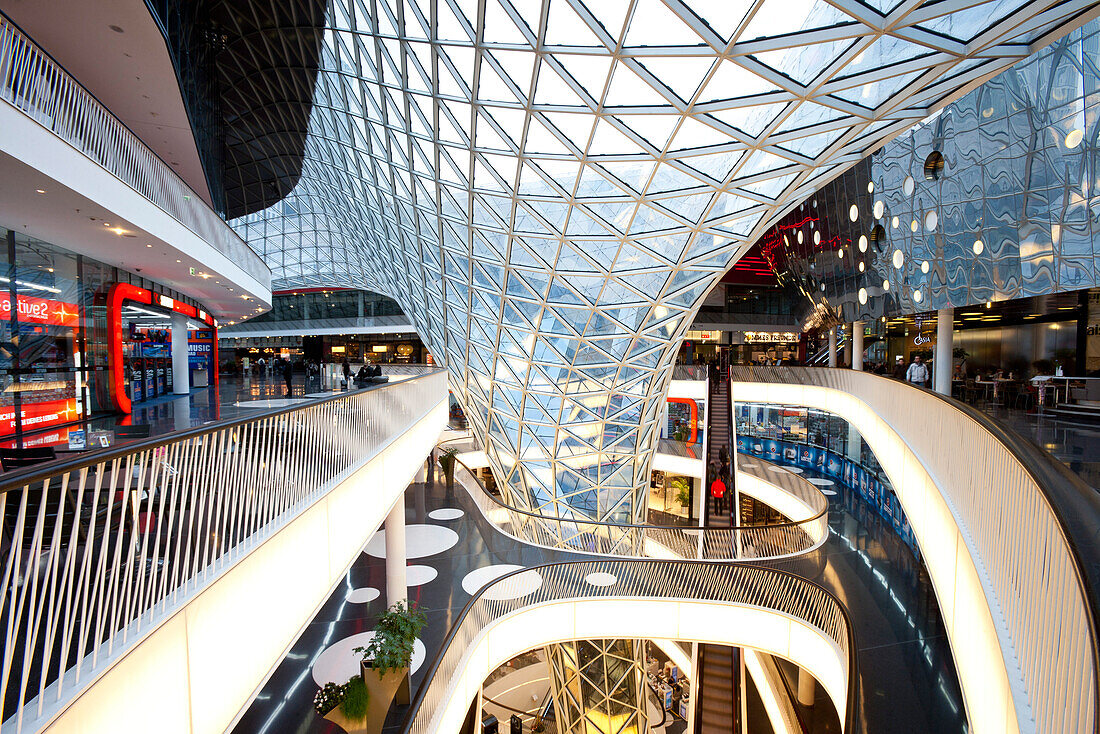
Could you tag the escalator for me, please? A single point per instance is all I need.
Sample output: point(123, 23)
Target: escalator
point(716, 705)
point(718, 435)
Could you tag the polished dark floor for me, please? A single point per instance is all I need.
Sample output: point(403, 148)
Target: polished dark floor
point(1077, 445)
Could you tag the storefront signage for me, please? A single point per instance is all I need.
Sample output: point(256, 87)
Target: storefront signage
point(39, 415)
point(41, 310)
point(922, 339)
point(705, 336)
point(756, 337)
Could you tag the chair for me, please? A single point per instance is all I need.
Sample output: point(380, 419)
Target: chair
point(1026, 395)
point(20, 458)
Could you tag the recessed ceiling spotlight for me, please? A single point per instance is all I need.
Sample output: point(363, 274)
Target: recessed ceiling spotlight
point(40, 191)
point(116, 29)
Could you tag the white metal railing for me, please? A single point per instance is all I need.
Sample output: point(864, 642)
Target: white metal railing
point(755, 587)
point(35, 84)
point(97, 550)
point(1014, 511)
point(748, 542)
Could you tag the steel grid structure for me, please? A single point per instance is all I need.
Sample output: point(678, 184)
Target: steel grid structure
point(550, 187)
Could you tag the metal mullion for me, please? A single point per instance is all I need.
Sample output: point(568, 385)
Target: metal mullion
point(12, 568)
point(57, 618)
point(193, 500)
point(156, 591)
point(30, 592)
point(121, 590)
point(81, 584)
point(171, 548)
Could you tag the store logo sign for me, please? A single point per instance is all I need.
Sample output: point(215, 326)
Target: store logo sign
point(40, 310)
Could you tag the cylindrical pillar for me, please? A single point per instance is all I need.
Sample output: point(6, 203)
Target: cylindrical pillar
point(832, 347)
point(805, 687)
point(181, 376)
point(943, 363)
point(397, 588)
point(857, 345)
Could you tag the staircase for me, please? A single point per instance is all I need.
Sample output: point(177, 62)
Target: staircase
point(715, 708)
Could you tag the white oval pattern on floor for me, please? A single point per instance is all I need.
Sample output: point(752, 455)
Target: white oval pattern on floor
point(446, 513)
point(420, 541)
point(362, 595)
point(515, 587)
point(338, 663)
point(419, 575)
point(821, 482)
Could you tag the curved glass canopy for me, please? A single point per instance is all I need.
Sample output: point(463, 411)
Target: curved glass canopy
point(550, 187)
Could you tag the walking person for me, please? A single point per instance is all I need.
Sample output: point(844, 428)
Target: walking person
point(899, 368)
point(288, 375)
point(917, 373)
point(347, 372)
point(718, 494)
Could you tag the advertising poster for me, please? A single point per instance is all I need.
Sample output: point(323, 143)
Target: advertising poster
point(771, 450)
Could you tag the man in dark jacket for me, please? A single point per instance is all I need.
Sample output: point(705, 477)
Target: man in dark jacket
point(288, 375)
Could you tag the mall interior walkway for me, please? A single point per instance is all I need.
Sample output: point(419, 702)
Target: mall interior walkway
point(906, 667)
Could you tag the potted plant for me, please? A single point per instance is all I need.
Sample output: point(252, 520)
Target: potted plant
point(344, 705)
point(683, 491)
point(386, 659)
point(447, 461)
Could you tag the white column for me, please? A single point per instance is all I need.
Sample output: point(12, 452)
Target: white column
point(832, 347)
point(857, 345)
point(397, 588)
point(805, 687)
point(943, 363)
point(181, 375)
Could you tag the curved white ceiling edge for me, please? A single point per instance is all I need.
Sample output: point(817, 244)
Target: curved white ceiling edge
point(987, 672)
point(698, 620)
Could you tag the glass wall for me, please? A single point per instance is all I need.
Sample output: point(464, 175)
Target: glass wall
point(331, 303)
point(53, 340)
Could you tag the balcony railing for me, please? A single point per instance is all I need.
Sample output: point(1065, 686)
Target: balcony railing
point(748, 542)
point(770, 591)
point(34, 83)
point(1008, 533)
point(98, 549)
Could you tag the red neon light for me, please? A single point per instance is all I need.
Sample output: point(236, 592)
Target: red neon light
point(185, 309)
point(40, 310)
point(120, 292)
point(694, 416)
point(39, 415)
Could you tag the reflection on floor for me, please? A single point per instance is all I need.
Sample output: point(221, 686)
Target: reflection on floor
point(905, 663)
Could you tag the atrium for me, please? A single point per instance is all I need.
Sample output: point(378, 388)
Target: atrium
point(576, 366)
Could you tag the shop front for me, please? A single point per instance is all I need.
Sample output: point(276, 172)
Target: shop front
point(57, 334)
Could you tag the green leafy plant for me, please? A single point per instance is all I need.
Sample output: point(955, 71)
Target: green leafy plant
point(391, 648)
point(447, 464)
point(683, 490)
point(356, 697)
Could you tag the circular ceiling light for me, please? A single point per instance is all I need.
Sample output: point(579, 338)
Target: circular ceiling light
point(885, 285)
point(899, 259)
point(978, 247)
point(931, 219)
point(917, 296)
point(925, 267)
point(817, 237)
point(840, 253)
point(879, 209)
point(913, 226)
point(800, 236)
point(863, 243)
point(862, 267)
point(863, 295)
point(894, 222)
point(908, 185)
point(870, 187)
point(853, 212)
point(1074, 138)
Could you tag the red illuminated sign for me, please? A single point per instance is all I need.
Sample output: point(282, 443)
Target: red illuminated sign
point(40, 310)
point(39, 415)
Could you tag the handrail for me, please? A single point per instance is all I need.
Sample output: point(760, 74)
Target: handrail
point(759, 587)
point(1027, 522)
point(15, 480)
point(98, 550)
point(720, 543)
point(696, 372)
point(33, 82)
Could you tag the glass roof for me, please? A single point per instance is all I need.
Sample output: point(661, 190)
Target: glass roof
point(550, 187)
